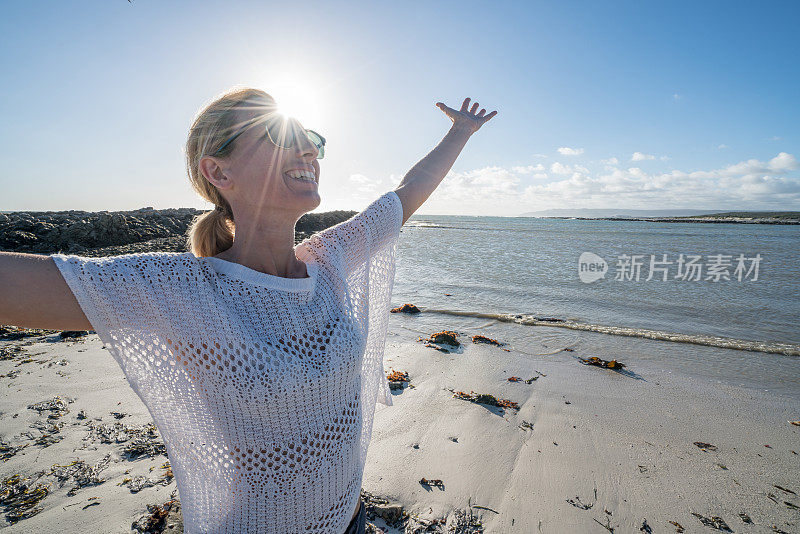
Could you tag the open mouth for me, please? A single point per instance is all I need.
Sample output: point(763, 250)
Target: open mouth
point(302, 176)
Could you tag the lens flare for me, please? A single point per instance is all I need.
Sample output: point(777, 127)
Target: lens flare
point(296, 100)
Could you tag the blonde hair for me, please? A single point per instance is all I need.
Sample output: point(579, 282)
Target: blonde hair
point(212, 232)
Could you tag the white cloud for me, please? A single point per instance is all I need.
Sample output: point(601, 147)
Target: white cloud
point(723, 146)
point(771, 185)
point(749, 184)
point(637, 173)
point(676, 96)
point(783, 162)
point(480, 185)
point(639, 156)
point(567, 151)
point(610, 161)
point(560, 168)
point(528, 169)
point(363, 186)
point(359, 179)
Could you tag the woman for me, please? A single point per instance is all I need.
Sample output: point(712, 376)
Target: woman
point(260, 361)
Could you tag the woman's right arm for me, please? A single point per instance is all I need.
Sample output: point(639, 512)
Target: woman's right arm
point(34, 294)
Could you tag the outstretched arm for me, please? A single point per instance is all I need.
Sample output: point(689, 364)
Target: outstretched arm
point(424, 177)
point(34, 294)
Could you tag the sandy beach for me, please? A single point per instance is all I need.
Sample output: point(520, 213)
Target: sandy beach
point(588, 450)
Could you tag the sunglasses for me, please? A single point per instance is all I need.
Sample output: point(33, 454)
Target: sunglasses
point(284, 132)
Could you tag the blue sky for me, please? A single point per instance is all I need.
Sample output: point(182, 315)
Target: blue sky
point(637, 105)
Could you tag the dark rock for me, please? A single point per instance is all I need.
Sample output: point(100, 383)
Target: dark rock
point(105, 233)
point(389, 512)
point(10, 332)
point(314, 222)
point(375, 506)
point(73, 333)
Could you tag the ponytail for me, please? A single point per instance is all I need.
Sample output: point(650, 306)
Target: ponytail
point(210, 233)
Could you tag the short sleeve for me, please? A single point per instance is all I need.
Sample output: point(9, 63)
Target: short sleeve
point(364, 235)
point(115, 292)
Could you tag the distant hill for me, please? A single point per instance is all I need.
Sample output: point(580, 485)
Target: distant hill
point(740, 217)
point(590, 213)
point(783, 215)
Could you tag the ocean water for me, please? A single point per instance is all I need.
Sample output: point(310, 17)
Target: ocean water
point(526, 271)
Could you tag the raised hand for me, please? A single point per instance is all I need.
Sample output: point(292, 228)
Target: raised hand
point(466, 117)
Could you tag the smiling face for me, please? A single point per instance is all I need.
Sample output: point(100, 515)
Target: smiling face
point(258, 175)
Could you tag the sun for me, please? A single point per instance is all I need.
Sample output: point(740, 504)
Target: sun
point(298, 100)
point(307, 93)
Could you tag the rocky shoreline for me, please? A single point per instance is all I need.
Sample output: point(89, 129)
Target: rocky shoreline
point(108, 233)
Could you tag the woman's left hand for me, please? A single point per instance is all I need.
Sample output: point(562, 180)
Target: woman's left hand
point(466, 118)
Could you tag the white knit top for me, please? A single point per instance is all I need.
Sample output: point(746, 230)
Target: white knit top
point(263, 387)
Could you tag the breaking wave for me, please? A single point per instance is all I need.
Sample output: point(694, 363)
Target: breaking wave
point(787, 349)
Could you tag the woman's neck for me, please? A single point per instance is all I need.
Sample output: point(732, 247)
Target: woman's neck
point(267, 250)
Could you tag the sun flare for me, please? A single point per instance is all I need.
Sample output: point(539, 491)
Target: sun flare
point(296, 100)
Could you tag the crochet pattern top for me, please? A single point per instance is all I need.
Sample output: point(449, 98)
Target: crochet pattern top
point(263, 387)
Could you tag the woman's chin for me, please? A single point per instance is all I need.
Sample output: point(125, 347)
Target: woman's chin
point(306, 194)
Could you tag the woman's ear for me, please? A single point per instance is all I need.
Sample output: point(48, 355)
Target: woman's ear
point(212, 170)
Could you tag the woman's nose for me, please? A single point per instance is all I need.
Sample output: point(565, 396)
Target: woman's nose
point(305, 147)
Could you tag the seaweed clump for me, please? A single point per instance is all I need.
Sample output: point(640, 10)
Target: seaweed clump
point(397, 379)
point(437, 339)
point(82, 473)
point(445, 337)
point(140, 482)
point(713, 522)
point(139, 440)
point(57, 406)
point(160, 518)
point(432, 482)
point(10, 352)
point(607, 364)
point(478, 338)
point(397, 376)
point(147, 445)
point(21, 498)
point(406, 308)
point(485, 398)
point(8, 451)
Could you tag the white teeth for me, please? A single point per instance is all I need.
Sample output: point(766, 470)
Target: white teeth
point(304, 176)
